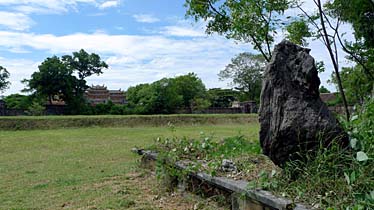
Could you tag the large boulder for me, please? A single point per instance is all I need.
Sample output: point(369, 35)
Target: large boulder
point(293, 118)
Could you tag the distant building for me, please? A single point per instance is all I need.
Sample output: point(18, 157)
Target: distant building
point(100, 94)
point(328, 97)
point(246, 106)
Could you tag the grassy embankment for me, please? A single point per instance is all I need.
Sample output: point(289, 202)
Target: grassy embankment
point(57, 122)
point(89, 167)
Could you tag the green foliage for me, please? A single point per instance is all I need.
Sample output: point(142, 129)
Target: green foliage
point(222, 97)
point(323, 89)
point(250, 21)
point(360, 14)
point(84, 64)
point(200, 104)
point(52, 79)
point(204, 154)
point(4, 76)
point(56, 79)
point(167, 95)
point(357, 85)
point(298, 31)
point(190, 87)
point(246, 71)
point(361, 129)
point(36, 109)
point(18, 101)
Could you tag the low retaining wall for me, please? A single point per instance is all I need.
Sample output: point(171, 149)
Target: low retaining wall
point(241, 197)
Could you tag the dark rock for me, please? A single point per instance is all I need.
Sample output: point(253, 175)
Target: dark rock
point(228, 166)
point(293, 118)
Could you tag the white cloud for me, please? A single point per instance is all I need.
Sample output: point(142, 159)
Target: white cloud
point(44, 6)
point(182, 31)
point(109, 4)
point(15, 21)
point(132, 59)
point(145, 18)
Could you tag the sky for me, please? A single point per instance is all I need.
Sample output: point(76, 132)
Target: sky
point(141, 40)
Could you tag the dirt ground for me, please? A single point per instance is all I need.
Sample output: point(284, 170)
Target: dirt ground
point(141, 187)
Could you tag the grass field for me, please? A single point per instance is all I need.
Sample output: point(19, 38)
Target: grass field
point(88, 168)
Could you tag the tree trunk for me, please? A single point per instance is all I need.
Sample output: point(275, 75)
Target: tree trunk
point(334, 62)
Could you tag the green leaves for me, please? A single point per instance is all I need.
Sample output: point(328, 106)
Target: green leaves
point(250, 21)
point(362, 156)
point(4, 76)
point(56, 78)
point(245, 70)
point(167, 95)
point(298, 31)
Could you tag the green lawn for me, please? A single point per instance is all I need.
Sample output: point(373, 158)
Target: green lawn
point(85, 167)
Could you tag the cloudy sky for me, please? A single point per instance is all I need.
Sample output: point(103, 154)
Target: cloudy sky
point(141, 40)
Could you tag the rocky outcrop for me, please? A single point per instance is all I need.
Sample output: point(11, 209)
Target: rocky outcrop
point(293, 118)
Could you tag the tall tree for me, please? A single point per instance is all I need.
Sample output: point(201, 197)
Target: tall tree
point(85, 65)
point(56, 78)
point(4, 76)
point(246, 70)
point(257, 22)
point(190, 87)
point(360, 14)
point(53, 79)
point(358, 87)
point(252, 21)
point(167, 95)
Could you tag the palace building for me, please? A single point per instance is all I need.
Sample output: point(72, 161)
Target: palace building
point(98, 94)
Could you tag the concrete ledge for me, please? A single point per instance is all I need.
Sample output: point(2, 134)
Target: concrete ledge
point(242, 197)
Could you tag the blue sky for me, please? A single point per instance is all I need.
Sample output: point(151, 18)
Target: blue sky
point(141, 40)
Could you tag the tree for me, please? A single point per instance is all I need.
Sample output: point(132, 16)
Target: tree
point(4, 76)
point(54, 79)
point(323, 89)
point(84, 65)
point(357, 86)
point(359, 13)
point(159, 97)
point(191, 88)
point(252, 21)
point(246, 70)
point(257, 21)
point(222, 98)
point(167, 95)
point(18, 101)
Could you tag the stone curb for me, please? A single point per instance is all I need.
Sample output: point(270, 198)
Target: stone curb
point(234, 186)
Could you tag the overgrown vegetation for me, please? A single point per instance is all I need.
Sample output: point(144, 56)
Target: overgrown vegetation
point(335, 178)
point(330, 178)
point(208, 154)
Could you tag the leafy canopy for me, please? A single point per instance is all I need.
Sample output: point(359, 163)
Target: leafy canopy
point(167, 95)
point(4, 76)
point(246, 70)
point(251, 21)
point(56, 78)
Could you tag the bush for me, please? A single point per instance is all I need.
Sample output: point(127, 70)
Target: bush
point(35, 109)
